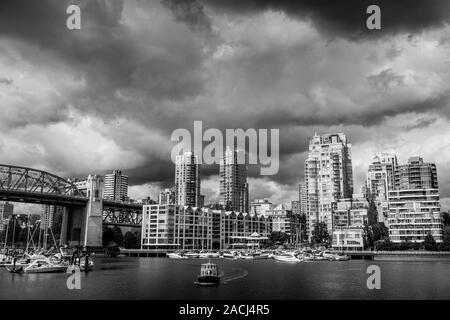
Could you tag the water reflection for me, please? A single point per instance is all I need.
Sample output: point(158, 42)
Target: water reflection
point(160, 278)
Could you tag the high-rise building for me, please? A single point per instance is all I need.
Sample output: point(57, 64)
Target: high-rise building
point(381, 176)
point(414, 213)
point(303, 198)
point(416, 175)
point(48, 215)
point(233, 181)
point(6, 210)
point(167, 196)
point(328, 177)
point(187, 180)
point(295, 207)
point(116, 186)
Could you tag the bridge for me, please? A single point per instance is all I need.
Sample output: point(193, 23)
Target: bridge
point(85, 211)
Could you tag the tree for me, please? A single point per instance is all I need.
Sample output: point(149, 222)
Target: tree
point(320, 233)
point(445, 245)
point(368, 236)
point(302, 221)
point(278, 237)
point(385, 245)
point(446, 218)
point(380, 231)
point(404, 245)
point(118, 236)
point(429, 243)
point(131, 240)
point(108, 236)
point(372, 213)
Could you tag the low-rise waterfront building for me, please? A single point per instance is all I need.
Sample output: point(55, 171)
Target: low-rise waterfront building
point(349, 217)
point(414, 213)
point(173, 227)
point(283, 220)
point(237, 226)
point(158, 227)
point(348, 239)
point(193, 228)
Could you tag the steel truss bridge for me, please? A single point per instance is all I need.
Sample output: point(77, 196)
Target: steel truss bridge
point(27, 185)
point(122, 214)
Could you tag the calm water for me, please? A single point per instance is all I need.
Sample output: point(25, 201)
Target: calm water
point(161, 278)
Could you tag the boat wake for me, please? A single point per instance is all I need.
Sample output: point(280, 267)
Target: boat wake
point(234, 275)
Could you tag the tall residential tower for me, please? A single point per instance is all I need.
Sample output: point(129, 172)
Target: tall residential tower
point(116, 186)
point(233, 182)
point(381, 176)
point(328, 177)
point(187, 180)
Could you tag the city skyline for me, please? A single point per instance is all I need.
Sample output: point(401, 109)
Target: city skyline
point(166, 64)
point(155, 194)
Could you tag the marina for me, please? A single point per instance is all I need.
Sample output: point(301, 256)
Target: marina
point(161, 278)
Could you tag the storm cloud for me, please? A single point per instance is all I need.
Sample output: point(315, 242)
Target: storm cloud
point(108, 96)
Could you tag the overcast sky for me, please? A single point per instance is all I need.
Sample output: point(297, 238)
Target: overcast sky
point(108, 96)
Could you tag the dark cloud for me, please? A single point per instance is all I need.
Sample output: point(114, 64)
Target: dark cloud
point(385, 79)
point(6, 81)
point(157, 66)
point(348, 18)
point(190, 12)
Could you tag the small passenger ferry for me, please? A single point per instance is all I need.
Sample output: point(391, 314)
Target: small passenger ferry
point(209, 275)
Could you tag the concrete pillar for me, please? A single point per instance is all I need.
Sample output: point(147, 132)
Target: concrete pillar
point(93, 224)
point(63, 234)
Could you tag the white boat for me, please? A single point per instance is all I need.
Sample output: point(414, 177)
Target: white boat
point(341, 257)
point(286, 257)
point(203, 255)
point(45, 266)
point(192, 255)
point(308, 257)
point(214, 255)
point(328, 255)
point(260, 256)
point(229, 254)
point(209, 275)
point(176, 255)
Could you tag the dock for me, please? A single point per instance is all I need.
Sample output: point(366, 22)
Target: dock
point(399, 255)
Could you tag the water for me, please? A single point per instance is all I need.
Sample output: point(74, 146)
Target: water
point(161, 278)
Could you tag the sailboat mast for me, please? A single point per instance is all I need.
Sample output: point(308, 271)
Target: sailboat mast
point(14, 230)
point(28, 233)
point(6, 237)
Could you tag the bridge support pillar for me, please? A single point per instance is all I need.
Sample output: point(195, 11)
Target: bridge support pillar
point(93, 226)
point(65, 220)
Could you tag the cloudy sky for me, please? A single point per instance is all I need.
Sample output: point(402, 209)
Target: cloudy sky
point(108, 96)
